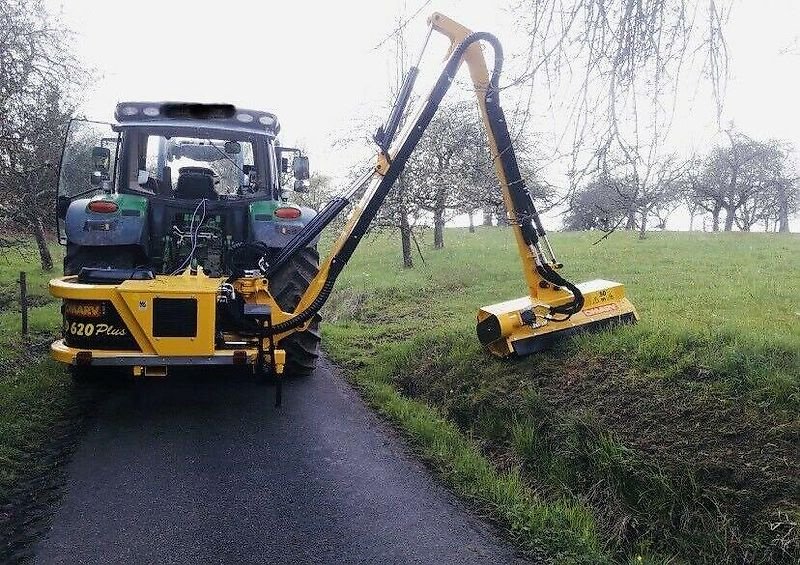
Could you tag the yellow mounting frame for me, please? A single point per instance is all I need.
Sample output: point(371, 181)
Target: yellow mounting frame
point(133, 301)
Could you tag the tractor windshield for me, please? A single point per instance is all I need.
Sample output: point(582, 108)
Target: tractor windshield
point(193, 167)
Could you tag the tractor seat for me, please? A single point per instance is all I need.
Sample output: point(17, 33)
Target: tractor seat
point(204, 170)
point(195, 185)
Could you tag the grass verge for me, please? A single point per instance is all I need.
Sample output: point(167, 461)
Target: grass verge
point(676, 438)
point(563, 530)
point(39, 407)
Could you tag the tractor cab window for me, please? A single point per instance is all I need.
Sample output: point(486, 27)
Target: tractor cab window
point(192, 167)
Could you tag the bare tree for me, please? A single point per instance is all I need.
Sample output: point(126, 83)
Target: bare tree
point(29, 181)
point(593, 60)
point(648, 188)
point(320, 191)
point(598, 205)
point(440, 171)
point(747, 179)
point(37, 69)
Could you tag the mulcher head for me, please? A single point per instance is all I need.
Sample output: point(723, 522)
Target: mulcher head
point(523, 326)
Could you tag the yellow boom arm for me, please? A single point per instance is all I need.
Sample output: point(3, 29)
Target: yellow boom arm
point(518, 326)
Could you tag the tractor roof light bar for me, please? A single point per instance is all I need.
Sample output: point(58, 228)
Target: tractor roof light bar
point(134, 113)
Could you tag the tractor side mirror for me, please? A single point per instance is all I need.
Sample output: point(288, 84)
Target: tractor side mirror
point(300, 168)
point(101, 159)
point(301, 186)
point(96, 178)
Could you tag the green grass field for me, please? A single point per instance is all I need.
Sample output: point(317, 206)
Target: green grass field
point(675, 438)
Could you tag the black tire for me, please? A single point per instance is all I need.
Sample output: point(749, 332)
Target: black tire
point(114, 256)
point(287, 287)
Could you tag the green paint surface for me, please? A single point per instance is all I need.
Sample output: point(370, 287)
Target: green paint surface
point(263, 207)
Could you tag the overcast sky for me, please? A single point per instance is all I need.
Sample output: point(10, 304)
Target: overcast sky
point(315, 64)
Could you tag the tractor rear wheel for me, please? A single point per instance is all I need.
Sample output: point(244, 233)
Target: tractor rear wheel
point(287, 287)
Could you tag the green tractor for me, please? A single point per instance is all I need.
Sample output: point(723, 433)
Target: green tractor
point(174, 187)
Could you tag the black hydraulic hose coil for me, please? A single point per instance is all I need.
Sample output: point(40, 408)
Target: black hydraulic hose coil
point(309, 312)
point(576, 304)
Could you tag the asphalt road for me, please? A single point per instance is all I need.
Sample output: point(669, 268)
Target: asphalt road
point(206, 470)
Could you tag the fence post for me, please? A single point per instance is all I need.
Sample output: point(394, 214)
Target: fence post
point(23, 301)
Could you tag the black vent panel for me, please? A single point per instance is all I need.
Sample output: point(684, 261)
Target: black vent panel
point(175, 317)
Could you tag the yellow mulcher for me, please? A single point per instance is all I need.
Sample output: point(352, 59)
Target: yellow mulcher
point(183, 249)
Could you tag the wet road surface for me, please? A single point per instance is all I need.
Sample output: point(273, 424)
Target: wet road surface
point(206, 470)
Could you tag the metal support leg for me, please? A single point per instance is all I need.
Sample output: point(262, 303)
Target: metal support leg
point(276, 375)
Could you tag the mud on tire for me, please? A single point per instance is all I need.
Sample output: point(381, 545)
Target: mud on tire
point(287, 287)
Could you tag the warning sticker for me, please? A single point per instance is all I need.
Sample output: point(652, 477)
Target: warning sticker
point(604, 309)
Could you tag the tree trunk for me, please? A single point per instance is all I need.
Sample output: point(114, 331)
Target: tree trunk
point(502, 216)
point(471, 221)
point(691, 219)
point(729, 217)
point(487, 217)
point(631, 223)
point(438, 229)
point(783, 210)
point(715, 215)
point(643, 227)
point(45, 258)
point(405, 240)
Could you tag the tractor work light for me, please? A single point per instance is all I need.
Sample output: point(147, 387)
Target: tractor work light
point(244, 118)
point(287, 213)
point(129, 110)
point(103, 206)
point(151, 111)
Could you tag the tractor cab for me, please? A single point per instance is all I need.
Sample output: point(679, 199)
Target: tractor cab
point(168, 181)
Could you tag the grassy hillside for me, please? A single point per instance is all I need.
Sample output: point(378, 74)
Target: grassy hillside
point(674, 438)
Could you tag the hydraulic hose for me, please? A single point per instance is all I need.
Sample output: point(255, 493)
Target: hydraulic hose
point(553, 277)
point(317, 224)
point(525, 213)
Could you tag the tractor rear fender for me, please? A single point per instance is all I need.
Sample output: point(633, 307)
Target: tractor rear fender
point(126, 225)
point(266, 227)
